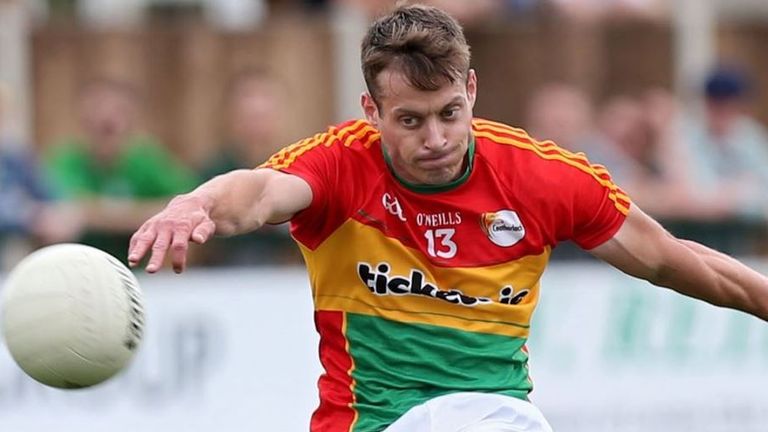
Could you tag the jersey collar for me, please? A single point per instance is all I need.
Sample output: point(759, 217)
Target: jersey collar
point(429, 189)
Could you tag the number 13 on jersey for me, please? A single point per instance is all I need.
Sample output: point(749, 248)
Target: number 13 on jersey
point(440, 243)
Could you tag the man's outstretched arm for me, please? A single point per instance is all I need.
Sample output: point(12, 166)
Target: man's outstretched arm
point(644, 249)
point(233, 203)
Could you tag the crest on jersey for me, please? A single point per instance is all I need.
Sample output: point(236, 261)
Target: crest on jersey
point(392, 205)
point(503, 227)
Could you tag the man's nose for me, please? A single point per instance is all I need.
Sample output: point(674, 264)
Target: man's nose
point(435, 135)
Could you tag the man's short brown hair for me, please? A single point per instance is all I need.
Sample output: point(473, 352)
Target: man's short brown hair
point(424, 43)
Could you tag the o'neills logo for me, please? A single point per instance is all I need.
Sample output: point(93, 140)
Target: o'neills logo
point(380, 282)
point(503, 227)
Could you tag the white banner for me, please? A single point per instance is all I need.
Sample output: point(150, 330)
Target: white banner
point(610, 353)
point(235, 350)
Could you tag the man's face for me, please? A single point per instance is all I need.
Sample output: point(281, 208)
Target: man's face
point(425, 133)
point(723, 115)
point(107, 117)
point(254, 112)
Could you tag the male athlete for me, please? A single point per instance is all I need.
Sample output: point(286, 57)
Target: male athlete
point(426, 232)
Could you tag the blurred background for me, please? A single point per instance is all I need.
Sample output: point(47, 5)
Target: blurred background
point(110, 107)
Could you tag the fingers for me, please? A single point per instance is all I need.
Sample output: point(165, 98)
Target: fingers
point(203, 232)
point(179, 247)
point(164, 234)
point(159, 249)
point(141, 241)
point(181, 238)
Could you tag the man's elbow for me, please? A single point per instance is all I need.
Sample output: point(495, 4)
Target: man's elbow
point(667, 267)
point(661, 275)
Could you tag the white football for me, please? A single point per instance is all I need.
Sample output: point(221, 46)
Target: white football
point(72, 315)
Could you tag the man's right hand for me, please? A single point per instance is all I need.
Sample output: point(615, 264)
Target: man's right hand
point(230, 204)
point(184, 219)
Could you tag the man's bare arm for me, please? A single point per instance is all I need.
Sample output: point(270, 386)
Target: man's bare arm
point(642, 248)
point(233, 203)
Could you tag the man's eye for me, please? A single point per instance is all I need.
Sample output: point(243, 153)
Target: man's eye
point(450, 113)
point(409, 121)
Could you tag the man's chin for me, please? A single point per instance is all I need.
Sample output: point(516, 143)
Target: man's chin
point(438, 177)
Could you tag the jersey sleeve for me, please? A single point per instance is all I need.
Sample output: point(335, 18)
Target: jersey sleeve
point(330, 165)
point(592, 205)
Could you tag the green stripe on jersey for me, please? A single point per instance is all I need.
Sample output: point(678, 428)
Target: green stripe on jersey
point(398, 366)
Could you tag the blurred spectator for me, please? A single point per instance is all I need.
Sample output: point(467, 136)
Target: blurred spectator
point(467, 12)
point(640, 154)
point(254, 126)
point(564, 114)
point(474, 12)
point(629, 136)
point(115, 175)
point(27, 214)
point(598, 10)
point(622, 124)
point(727, 151)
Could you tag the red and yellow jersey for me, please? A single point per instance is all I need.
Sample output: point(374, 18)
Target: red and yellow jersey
point(423, 291)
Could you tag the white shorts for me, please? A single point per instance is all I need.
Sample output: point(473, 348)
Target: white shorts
point(472, 412)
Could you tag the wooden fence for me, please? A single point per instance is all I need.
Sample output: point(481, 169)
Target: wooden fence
point(182, 69)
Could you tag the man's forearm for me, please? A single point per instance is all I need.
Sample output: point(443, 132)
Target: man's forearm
point(233, 201)
point(723, 281)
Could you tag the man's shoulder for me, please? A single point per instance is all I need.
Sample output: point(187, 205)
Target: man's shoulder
point(355, 133)
point(350, 134)
point(511, 151)
point(499, 140)
point(349, 139)
point(508, 137)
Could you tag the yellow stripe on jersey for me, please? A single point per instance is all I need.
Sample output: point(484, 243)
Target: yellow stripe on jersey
point(355, 131)
point(280, 155)
point(352, 383)
point(545, 145)
point(355, 244)
point(489, 130)
point(501, 127)
point(371, 139)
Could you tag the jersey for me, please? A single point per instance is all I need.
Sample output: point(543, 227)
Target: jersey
point(422, 291)
point(143, 169)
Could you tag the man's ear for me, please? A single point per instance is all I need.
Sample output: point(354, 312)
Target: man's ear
point(471, 87)
point(370, 109)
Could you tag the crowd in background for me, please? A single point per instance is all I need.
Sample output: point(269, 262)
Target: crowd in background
point(700, 170)
point(476, 11)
